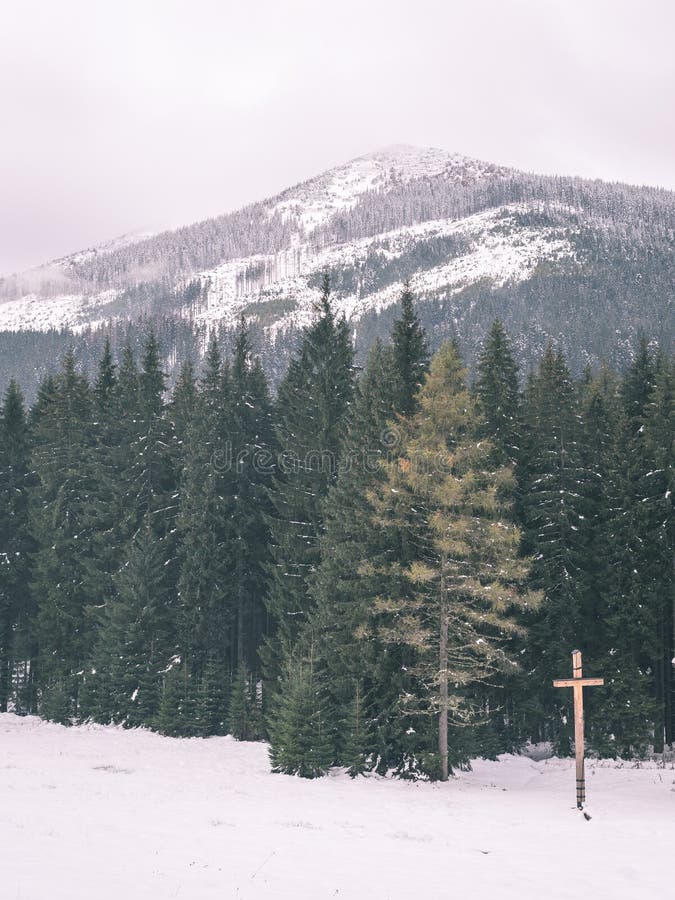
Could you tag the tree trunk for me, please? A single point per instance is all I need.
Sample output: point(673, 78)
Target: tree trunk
point(443, 675)
point(5, 665)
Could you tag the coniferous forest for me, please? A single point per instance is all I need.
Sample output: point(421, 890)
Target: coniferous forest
point(380, 567)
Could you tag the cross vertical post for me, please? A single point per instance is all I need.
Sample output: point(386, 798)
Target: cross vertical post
point(578, 683)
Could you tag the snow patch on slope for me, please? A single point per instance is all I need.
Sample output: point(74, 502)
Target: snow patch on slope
point(313, 202)
point(498, 253)
point(280, 289)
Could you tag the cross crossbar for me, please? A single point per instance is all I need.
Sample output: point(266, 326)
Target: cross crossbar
point(578, 682)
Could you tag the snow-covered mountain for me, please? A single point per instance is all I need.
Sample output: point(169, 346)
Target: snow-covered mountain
point(582, 262)
point(80, 289)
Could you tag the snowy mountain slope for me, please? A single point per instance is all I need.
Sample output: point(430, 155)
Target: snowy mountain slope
point(279, 223)
point(491, 252)
point(103, 812)
point(315, 202)
point(587, 264)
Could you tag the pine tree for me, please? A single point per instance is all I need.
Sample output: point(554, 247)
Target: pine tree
point(17, 614)
point(63, 438)
point(134, 640)
point(243, 718)
point(312, 405)
point(212, 700)
point(550, 484)
point(499, 394)
point(454, 606)
point(300, 734)
point(411, 355)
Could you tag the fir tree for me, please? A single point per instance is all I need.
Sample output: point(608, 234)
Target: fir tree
point(60, 460)
point(455, 604)
point(243, 713)
point(550, 482)
point(17, 613)
point(300, 735)
point(312, 406)
point(411, 355)
point(498, 394)
point(212, 700)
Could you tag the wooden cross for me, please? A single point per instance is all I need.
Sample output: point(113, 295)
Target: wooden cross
point(578, 683)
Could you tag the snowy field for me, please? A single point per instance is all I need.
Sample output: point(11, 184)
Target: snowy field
point(102, 813)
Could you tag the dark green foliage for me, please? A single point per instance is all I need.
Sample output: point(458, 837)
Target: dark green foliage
point(312, 407)
point(61, 461)
point(300, 734)
point(357, 740)
point(212, 700)
point(17, 613)
point(410, 355)
point(133, 645)
point(244, 714)
point(177, 716)
point(499, 394)
point(162, 566)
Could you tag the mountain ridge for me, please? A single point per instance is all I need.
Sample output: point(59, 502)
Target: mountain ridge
point(464, 232)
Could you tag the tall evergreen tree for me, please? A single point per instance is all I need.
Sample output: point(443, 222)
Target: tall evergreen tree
point(411, 355)
point(337, 626)
point(253, 447)
point(454, 605)
point(499, 394)
point(550, 475)
point(134, 646)
point(639, 695)
point(16, 601)
point(301, 742)
point(61, 462)
point(311, 410)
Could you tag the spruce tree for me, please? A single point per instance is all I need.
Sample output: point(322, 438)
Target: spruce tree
point(300, 734)
point(498, 394)
point(550, 483)
point(134, 644)
point(639, 605)
point(454, 605)
point(205, 558)
point(411, 355)
point(253, 448)
point(17, 614)
point(244, 721)
point(212, 700)
point(338, 627)
point(63, 438)
point(312, 406)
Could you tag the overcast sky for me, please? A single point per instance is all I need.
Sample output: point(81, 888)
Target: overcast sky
point(123, 115)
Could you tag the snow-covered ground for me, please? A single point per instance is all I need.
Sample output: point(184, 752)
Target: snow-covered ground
point(99, 813)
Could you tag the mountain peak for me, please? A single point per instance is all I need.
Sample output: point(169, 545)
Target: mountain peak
point(313, 202)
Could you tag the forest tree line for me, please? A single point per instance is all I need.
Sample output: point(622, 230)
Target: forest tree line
point(380, 567)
